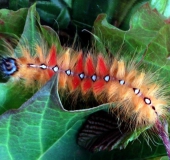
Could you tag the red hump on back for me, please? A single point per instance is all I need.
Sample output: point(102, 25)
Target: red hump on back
point(89, 66)
point(52, 59)
point(79, 68)
point(102, 68)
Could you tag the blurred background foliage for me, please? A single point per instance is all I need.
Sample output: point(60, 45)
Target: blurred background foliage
point(70, 17)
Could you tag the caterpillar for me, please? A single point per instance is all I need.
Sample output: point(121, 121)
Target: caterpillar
point(136, 96)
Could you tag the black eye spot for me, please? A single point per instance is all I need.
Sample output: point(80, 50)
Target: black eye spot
point(153, 107)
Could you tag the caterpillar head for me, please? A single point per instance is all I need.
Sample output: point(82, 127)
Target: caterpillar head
point(8, 66)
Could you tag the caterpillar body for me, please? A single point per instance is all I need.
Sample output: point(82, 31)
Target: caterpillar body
point(138, 98)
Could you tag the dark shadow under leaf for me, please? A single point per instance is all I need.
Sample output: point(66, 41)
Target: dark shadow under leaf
point(102, 131)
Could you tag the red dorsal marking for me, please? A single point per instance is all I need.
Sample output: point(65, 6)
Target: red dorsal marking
point(98, 86)
point(50, 73)
point(86, 85)
point(52, 60)
point(78, 69)
point(102, 69)
point(89, 66)
point(89, 70)
point(75, 82)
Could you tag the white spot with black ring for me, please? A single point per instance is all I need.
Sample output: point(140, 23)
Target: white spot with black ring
point(55, 69)
point(94, 77)
point(147, 100)
point(107, 78)
point(136, 90)
point(122, 82)
point(81, 75)
point(68, 72)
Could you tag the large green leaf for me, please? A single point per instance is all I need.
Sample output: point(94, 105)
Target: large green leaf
point(42, 129)
point(40, 126)
point(148, 33)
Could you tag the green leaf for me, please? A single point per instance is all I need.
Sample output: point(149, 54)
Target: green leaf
point(42, 129)
point(163, 6)
point(9, 21)
point(55, 14)
point(39, 126)
point(16, 4)
point(148, 33)
point(31, 30)
point(13, 95)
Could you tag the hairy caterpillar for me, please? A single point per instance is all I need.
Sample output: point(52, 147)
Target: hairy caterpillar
point(137, 97)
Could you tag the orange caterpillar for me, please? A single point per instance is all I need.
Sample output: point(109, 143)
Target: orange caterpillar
point(137, 98)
